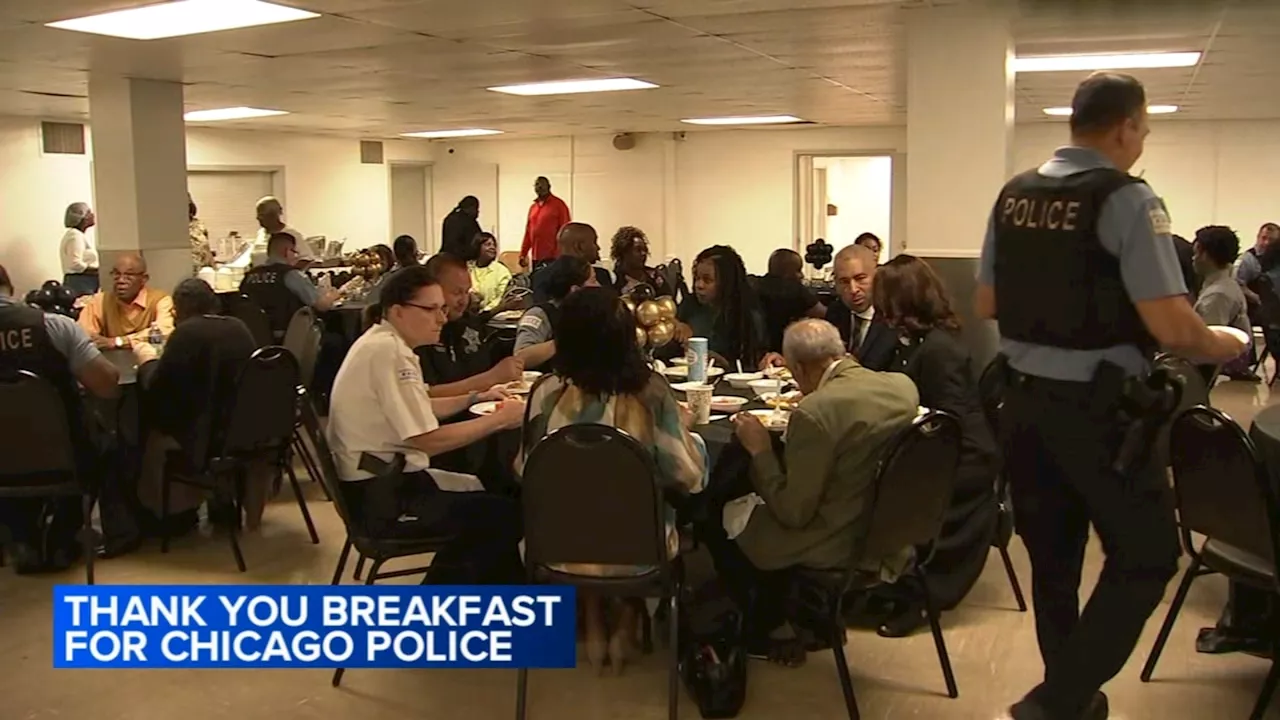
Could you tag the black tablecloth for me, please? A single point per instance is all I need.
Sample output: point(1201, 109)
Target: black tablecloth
point(719, 434)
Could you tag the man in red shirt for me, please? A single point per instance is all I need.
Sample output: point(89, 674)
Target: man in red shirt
point(546, 216)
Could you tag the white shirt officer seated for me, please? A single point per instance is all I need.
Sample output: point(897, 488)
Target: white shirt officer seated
point(381, 407)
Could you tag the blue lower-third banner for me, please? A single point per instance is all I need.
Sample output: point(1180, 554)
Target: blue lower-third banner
point(289, 626)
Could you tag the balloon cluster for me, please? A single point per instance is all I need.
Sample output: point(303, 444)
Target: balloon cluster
point(366, 263)
point(655, 319)
point(52, 297)
point(819, 253)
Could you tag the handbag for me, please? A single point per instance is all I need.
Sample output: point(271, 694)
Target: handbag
point(713, 657)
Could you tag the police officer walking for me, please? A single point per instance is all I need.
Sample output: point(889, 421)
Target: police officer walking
point(1079, 271)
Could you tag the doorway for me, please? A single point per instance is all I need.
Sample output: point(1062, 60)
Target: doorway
point(840, 196)
point(411, 203)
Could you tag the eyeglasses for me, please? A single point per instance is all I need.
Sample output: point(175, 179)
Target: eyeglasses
point(428, 308)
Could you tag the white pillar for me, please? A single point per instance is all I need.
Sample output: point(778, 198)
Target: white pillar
point(960, 115)
point(140, 174)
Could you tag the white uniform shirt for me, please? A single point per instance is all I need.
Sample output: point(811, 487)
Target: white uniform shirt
point(378, 402)
point(77, 252)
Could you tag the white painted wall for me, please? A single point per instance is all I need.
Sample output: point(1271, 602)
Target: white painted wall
point(327, 191)
point(1209, 173)
point(732, 187)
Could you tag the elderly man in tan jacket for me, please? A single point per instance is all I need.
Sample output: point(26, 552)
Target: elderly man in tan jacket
point(813, 505)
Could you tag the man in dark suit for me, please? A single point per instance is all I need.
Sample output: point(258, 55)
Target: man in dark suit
point(865, 336)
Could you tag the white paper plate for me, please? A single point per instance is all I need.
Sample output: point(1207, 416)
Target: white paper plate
point(685, 386)
point(767, 417)
point(518, 387)
point(682, 371)
point(484, 408)
point(728, 403)
point(508, 315)
point(1236, 333)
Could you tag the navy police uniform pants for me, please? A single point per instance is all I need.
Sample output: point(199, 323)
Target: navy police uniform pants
point(1059, 449)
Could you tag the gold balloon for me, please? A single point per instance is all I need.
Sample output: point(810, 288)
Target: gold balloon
point(648, 313)
point(666, 308)
point(641, 336)
point(631, 305)
point(661, 333)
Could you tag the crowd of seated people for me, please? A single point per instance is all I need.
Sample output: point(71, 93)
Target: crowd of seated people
point(864, 363)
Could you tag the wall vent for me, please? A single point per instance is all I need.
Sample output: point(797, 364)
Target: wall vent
point(62, 138)
point(371, 152)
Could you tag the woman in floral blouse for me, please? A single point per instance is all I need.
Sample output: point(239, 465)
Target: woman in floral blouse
point(602, 378)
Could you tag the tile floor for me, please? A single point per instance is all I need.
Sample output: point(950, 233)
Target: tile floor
point(992, 645)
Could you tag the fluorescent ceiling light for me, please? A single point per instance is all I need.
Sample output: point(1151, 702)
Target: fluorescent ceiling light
point(570, 87)
point(184, 17)
point(755, 120)
point(1128, 61)
point(469, 132)
point(1151, 110)
point(235, 113)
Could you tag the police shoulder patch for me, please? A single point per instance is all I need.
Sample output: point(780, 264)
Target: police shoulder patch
point(1159, 217)
point(531, 321)
point(409, 374)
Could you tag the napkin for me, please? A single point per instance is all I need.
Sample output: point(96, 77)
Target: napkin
point(738, 512)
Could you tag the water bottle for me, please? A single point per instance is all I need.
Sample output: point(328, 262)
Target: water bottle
point(156, 339)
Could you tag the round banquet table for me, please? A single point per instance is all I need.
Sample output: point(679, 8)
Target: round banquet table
point(1265, 433)
point(346, 318)
point(718, 434)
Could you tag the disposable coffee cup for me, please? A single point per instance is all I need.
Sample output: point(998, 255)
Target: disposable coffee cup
point(699, 397)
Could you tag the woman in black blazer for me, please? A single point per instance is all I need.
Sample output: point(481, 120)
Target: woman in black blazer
point(909, 296)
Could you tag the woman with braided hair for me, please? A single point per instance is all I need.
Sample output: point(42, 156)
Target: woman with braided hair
point(724, 309)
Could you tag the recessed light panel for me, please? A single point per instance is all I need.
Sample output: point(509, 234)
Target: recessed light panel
point(184, 17)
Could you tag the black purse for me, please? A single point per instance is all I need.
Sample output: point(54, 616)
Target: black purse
point(713, 658)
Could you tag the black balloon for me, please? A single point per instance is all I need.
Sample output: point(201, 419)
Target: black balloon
point(819, 253)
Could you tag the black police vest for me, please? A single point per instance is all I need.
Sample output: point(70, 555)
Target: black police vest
point(1056, 285)
point(265, 286)
point(552, 312)
point(25, 345)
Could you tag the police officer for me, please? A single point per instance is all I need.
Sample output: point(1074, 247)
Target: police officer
point(279, 288)
point(535, 335)
point(1079, 270)
point(55, 348)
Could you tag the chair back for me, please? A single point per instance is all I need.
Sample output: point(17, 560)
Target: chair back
point(589, 496)
point(35, 439)
point(511, 259)
point(1268, 300)
point(1195, 391)
point(1223, 489)
point(991, 387)
point(239, 306)
point(328, 468)
point(264, 410)
point(302, 338)
point(913, 486)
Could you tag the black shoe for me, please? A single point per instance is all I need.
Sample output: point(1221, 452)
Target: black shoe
point(114, 548)
point(1028, 709)
point(1099, 709)
point(906, 622)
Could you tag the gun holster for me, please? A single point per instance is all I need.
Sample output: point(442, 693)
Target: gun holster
point(383, 497)
point(1145, 406)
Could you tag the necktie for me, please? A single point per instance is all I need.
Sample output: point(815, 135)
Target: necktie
point(855, 333)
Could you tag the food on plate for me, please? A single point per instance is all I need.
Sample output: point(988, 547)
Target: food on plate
point(727, 403)
point(783, 401)
point(773, 419)
point(778, 373)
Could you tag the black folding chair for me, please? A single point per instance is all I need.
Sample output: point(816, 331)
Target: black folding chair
point(1195, 391)
point(626, 525)
point(912, 491)
point(247, 311)
point(1269, 311)
point(302, 340)
point(37, 455)
point(1224, 492)
point(259, 426)
point(380, 550)
point(991, 389)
